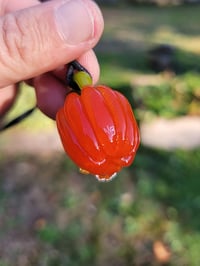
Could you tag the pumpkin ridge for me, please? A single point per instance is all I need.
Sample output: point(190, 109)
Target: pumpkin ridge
point(70, 121)
point(88, 117)
point(63, 123)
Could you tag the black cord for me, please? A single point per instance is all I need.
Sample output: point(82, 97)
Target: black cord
point(17, 119)
point(77, 66)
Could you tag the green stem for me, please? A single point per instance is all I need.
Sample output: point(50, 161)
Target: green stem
point(82, 79)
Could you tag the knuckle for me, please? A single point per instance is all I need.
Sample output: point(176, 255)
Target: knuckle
point(12, 36)
point(17, 41)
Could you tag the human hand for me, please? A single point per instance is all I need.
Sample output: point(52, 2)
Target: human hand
point(37, 40)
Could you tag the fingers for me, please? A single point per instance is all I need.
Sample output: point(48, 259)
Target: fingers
point(7, 97)
point(50, 93)
point(13, 5)
point(41, 38)
point(89, 61)
point(51, 88)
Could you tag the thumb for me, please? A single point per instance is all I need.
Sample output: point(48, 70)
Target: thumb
point(41, 38)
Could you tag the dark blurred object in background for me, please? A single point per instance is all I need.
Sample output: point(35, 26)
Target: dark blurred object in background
point(161, 58)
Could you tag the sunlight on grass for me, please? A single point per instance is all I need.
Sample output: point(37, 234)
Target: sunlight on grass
point(166, 34)
point(115, 77)
point(25, 101)
point(141, 28)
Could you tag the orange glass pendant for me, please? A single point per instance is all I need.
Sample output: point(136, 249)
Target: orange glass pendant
point(98, 129)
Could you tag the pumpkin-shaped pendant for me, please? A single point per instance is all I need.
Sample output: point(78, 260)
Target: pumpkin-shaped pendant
point(98, 130)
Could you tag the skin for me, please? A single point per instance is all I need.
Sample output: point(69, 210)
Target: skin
point(26, 55)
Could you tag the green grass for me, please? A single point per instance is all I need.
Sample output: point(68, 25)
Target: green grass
point(98, 224)
point(123, 57)
point(25, 101)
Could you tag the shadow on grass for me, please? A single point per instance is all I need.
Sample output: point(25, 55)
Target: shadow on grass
point(118, 53)
point(121, 54)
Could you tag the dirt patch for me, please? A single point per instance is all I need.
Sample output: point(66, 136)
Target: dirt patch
point(45, 142)
point(183, 133)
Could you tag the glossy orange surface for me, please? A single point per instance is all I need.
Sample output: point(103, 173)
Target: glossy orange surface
point(98, 130)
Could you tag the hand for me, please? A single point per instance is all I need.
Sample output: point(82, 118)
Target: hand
point(37, 40)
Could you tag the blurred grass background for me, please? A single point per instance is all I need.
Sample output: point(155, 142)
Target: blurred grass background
point(150, 214)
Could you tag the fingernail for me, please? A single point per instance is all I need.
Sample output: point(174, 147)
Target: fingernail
point(75, 22)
